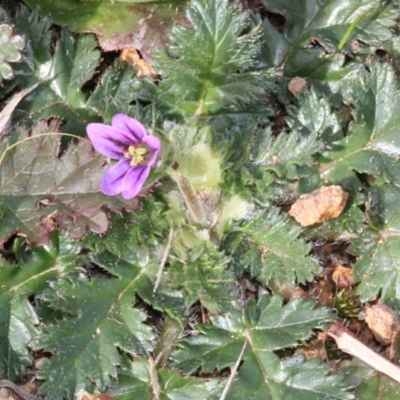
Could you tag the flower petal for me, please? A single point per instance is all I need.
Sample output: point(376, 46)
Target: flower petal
point(112, 182)
point(134, 180)
point(130, 125)
point(155, 144)
point(105, 140)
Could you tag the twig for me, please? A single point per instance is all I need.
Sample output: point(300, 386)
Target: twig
point(163, 260)
point(154, 379)
point(233, 373)
point(351, 345)
point(6, 112)
point(24, 395)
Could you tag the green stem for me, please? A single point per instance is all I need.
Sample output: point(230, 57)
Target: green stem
point(351, 28)
point(169, 334)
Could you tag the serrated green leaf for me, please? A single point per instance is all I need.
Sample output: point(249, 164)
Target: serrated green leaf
point(331, 24)
point(205, 67)
point(19, 321)
point(144, 231)
point(102, 320)
point(39, 188)
point(165, 299)
point(263, 328)
point(314, 115)
point(274, 246)
point(62, 76)
point(369, 383)
point(372, 143)
point(205, 278)
point(37, 30)
point(378, 269)
point(266, 377)
point(267, 326)
point(114, 94)
point(284, 153)
point(135, 382)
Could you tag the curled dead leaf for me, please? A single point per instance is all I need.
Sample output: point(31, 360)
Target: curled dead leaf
point(297, 85)
point(382, 322)
point(342, 276)
point(322, 204)
point(88, 396)
point(133, 58)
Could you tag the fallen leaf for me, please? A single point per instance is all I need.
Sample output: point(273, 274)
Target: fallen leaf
point(382, 322)
point(6, 112)
point(297, 85)
point(88, 396)
point(342, 276)
point(311, 352)
point(318, 206)
point(133, 58)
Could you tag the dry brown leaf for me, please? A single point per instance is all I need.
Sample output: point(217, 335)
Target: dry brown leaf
point(297, 85)
point(312, 352)
point(88, 396)
point(318, 206)
point(6, 112)
point(288, 292)
point(133, 58)
point(382, 322)
point(342, 276)
point(323, 291)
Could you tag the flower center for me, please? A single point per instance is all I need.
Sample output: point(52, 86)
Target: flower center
point(138, 154)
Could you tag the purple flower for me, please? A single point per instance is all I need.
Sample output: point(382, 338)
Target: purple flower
point(127, 141)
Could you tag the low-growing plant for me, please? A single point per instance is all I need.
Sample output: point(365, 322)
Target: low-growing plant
point(157, 276)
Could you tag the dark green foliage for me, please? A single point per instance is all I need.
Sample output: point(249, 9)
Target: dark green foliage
point(270, 247)
point(206, 279)
point(206, 67)
point(261, 329)
point(101, 319)
point(28, 276)
point(208, 241)
point(331, 24)
point(135, 379)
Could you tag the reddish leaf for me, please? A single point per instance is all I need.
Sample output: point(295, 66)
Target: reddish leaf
point(41, 189)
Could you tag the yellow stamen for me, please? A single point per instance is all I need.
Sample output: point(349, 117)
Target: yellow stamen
point(137, 155)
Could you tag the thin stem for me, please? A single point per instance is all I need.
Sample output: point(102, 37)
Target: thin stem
point(154, 379)
point(170, 332)
point(164, 259)
point(350, 29)
point(233, 373)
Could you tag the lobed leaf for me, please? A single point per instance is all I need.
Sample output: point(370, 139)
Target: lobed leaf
point(33, 198)
point(19, 319)
point(205, 68)
point(270, 246)
point(329, 25)
point(262, 328)
point(135, 381)
point(101, 321)
point(372, 143)
point(264, 376)
point(118, 23)
point(205, 278)
point(378, 269)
